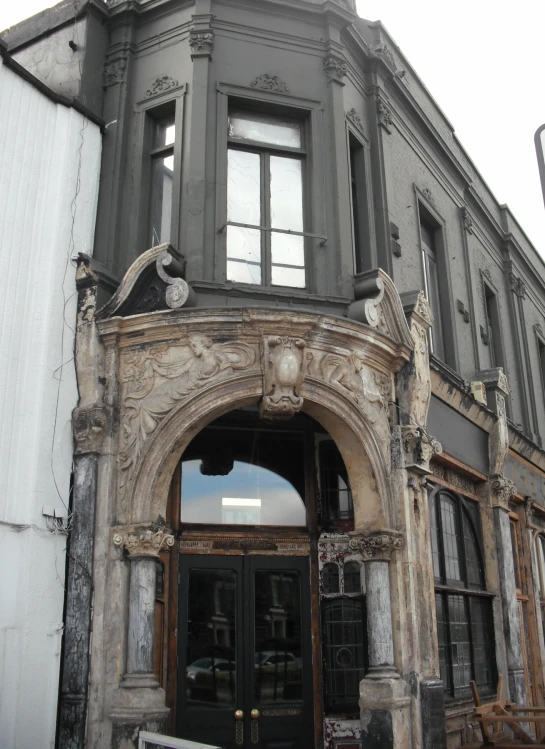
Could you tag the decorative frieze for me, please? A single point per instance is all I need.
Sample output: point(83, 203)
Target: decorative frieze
point(268, 82)
point(335, 68)
point(201, 43)
point(161, 85)
point(89, 426)
point(376, 546)
point(114, 71)
point(283, 376)
point(144, 541)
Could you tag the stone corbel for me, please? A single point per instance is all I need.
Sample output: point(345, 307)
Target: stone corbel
point(143, 541)
point(201, 42)
point(503, 490)
point(376, 545)
point(335, 68)
point(90, 427)
point(419, 448)
point(283, 375)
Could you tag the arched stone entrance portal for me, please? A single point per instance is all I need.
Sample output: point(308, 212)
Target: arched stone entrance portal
point(178, 371)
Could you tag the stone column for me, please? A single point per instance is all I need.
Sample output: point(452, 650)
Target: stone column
point(502, 490)
point(143, 546)
point(382, 697)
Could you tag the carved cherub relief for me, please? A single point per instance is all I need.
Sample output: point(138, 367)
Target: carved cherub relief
point(155, 381)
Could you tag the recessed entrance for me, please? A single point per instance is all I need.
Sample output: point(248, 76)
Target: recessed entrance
point(253, 622)
point(245, 665)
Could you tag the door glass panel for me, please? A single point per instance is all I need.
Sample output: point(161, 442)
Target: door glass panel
point(278, 662)
point(211, 646)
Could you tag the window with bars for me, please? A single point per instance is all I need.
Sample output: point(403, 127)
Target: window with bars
point(265, 200)
point(464, 609)
point(344, 624)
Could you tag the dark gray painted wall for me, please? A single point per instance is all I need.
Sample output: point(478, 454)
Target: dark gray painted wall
point(458, 436)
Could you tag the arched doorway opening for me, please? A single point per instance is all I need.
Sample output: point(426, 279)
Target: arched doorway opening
point(247, 610)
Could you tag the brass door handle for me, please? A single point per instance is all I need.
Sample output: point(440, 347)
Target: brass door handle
point(239, 728)
point(255, 714)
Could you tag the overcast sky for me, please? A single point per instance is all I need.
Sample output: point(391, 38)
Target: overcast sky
point(483, 62)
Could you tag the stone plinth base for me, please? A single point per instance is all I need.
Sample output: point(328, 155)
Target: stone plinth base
point(384, 714)
point(432, 702)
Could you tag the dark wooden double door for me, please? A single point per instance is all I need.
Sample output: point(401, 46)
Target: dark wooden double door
point(244, 652)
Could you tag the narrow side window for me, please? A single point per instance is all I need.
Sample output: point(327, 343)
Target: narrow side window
point(358, 193)
point(428, 240)
point(162, 177)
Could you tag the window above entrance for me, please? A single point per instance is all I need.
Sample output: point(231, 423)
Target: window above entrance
point(248, 495)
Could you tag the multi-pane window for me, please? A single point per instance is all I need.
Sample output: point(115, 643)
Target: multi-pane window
point(335, 493)
point(358, 192)
point(428, 238)
point(539, 551)
point(265, 209)
point(344, 636)
point(464, 612)
point(162, 169)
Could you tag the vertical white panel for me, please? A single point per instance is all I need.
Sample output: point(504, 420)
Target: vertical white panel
point(49, 166)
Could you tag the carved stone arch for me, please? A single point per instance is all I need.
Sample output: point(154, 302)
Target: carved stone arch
point(354, 436)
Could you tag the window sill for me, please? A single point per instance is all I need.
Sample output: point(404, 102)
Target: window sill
point(267, 292)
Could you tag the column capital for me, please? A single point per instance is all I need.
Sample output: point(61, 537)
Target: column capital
point(143, 541)
point(419, 448)
point(376, 545)
point(503, 490)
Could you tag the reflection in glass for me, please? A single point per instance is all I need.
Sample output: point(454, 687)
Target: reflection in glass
point(264, 129)
point(288, 260)
point(278, 658)
point(335, 493)
point(162, 199)
point(247, 495)
point(286, 193)
point(243, 255)
point(211, 645)
point(244, 187)
point(164, 133)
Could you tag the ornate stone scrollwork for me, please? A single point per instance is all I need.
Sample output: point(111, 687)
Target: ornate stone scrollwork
point(350, 374)
point(335, 68)
point(384, 115)
point(419, 448)
point(270, 83)
point(89, 426)
point(355, 119)
point(160, 85)
point(283, 359)
point(377, 545)
point(144, 541)
point(178, 292)
point(156, 380)
point(503, 491)
point(467, 220)
point(201, 43)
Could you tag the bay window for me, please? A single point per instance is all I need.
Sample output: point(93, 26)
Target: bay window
point(265, 203)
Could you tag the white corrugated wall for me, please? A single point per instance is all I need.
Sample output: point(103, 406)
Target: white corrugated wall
point(49, 171)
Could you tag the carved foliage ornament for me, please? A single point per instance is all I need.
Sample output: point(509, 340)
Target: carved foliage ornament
point(283, 359)
point(157, 380)
point(384, 115)
point(467, 220)
point(335, 68)
point(201, 43)
point(376, 546)
point(355, 119)
point(161, 84)
point(270, 83)
point(419, 448)
point(144, 541)
point(114, 71)
point(89, 426)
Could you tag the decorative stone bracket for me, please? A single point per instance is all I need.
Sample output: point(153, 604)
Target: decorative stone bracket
point(145, 541)
point(90, 428)
point(419, 448)
point(377, 545)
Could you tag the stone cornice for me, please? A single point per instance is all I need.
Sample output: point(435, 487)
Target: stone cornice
point(377, 545)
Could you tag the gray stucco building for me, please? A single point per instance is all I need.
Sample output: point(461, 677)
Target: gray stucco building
point(308, 472)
